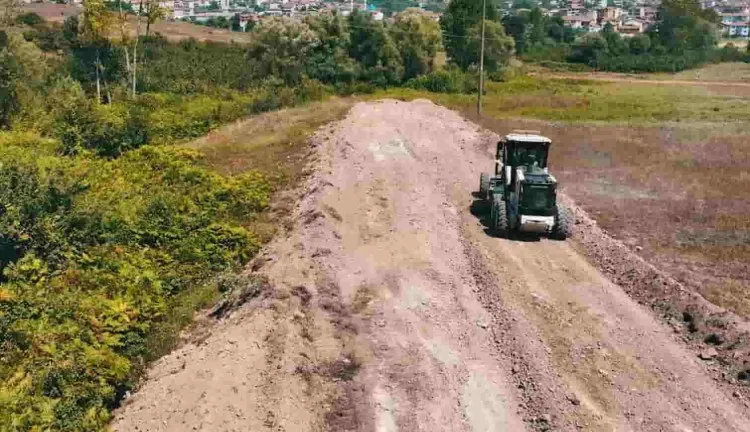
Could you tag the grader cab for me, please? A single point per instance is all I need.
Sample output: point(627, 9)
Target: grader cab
point(522, 193)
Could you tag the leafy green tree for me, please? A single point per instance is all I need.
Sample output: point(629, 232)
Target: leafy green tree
point(373, 48)
point(683, 25)
point(97, 20)
point(29, 19)
point(329, 62)
point(279, 47)
point(154, 13)
point(615, 44)
point(498, 47)
point(9, 74)
point(9, 9)
point(556, 29)
point(515, 26)
point(536, 26)
point(639, 44)
point(235, 23)
point(458, 19)
point(70, 29)
point(417, 37)
point(589, 48)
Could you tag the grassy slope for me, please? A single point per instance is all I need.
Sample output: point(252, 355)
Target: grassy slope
point(273, 143)
point(664, 167)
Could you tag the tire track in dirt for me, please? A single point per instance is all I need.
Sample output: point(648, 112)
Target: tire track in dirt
point(391, 309)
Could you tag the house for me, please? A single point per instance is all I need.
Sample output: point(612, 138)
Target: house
point(581, 21)
point(736, 29)
point(610, 14)
point(631, 27)
point(647, 14)
point(735, 22)
point(576, 5)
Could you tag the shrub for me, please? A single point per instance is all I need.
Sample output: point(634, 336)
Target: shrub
point(451, 80)
point(29, 19)
point(95, 251)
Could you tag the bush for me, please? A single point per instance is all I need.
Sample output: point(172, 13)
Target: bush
point(95, 252)
point(29, 19)
point(451, 80)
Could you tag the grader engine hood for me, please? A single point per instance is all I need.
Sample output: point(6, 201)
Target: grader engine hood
point(536, 192)
point(536, 195)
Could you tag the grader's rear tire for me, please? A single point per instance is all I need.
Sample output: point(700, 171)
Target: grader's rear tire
point(499, 218)
point(563, 224)
point(484, 184)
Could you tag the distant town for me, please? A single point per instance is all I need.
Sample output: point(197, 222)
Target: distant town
point(627, 17)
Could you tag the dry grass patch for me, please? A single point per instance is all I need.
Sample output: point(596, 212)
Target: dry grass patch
point(715, 72)
point(274, 144)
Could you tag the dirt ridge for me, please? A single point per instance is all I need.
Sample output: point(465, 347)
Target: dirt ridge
point(391, 308)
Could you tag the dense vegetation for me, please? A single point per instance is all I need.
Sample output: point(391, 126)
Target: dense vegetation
point(684, 36)
point(105, 222)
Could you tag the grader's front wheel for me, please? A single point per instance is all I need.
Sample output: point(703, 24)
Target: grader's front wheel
point(563, 224)
point(499, 218)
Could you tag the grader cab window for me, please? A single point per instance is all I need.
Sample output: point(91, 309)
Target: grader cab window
point(529, 155)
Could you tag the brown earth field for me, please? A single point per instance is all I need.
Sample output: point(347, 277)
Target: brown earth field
point(388, 306)
point(677, 195)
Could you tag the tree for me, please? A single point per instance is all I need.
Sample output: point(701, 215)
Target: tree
point(214, 5)
point(417, 37)
point(682, 25)
point(279, 47)
point(556, 29)
point(639, 44)
point(498, 47)
point(375, 51)
point(329, 61)
point(536, 27)
point(30, 19)
point(616, 46)
point(459, 17)
point(589, 48)
point(8, 11)
point(515, 26)
point(70, 29)
point(96, 22)
point(154, 12)
point(9, 73)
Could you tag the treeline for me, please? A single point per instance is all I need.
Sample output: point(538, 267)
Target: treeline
point(684, 36)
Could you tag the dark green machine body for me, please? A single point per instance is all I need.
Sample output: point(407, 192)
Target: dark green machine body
point(521, 194)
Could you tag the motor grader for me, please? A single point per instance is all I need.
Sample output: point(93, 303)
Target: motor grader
point(522, 194)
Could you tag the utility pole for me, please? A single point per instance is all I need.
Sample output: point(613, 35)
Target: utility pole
point(481, 61)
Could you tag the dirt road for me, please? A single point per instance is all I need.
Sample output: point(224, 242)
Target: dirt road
point(391, 309)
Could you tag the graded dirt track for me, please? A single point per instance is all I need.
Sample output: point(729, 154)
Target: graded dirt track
point(390, 308)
